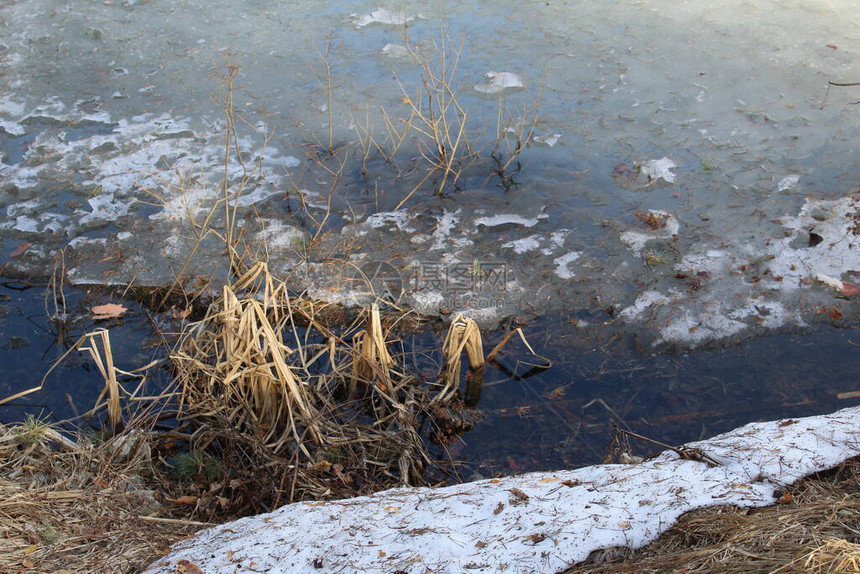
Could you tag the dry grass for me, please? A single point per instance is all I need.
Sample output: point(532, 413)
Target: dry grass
point(263, 384)
point(80, 507)
point(436, 119)
point(815, 528)
point(463, 336)
point(277, 407)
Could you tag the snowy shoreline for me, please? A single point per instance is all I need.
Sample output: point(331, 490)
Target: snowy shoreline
point(536, 522)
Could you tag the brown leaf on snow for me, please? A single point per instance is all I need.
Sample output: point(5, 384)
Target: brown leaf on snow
point(844, 287)
point(186, 567)
point(108, 311)
point(850, 289)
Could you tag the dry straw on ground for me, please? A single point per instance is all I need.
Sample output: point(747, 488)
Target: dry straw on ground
point(70, 506)
point(814, 527)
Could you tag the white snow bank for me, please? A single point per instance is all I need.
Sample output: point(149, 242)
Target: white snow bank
point(538, 522)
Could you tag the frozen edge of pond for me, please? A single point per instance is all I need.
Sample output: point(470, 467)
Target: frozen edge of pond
point(536, 522)
point(136, 158)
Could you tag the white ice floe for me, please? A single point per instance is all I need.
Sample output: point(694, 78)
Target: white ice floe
point(278, 236)
point(770, 314)
point(711, 261)
point(530, 243)
point(382, 16)
point(395, 50)
point(835, 222)
point(562, 263)
point(106, 207)
point(537, 522)
point(505, 218)
point(549, 140)
point(499, 82)
point(445, 225)
point(788, 182)
point(837, 284)
point(400, 219)
point(659, 168)
point(643, 302)
point(697, 328)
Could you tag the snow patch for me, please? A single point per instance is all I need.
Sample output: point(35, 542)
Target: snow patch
point(636, 240)
point(659, 168)
point(537, 522)
point(787, 183)
point(523, 245)
point(694, 329)
point(643, 302)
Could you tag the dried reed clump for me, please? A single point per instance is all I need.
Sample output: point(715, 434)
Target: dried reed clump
point(463, 335)
point(258, 371)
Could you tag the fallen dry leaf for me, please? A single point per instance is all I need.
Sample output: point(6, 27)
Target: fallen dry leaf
point(108, 311)
point(850, 289)
point(183, 314)
point(21, 249)
point(186, 567)
point(188, 499)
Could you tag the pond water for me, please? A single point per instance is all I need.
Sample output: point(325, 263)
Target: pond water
point(687, 181)
point(563, 417)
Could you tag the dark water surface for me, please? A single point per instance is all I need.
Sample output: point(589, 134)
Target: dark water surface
point(559, 418)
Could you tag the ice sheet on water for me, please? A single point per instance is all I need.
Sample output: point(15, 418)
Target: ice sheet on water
point(383, 16)
point(656, 169)
point(497, 82)
point(788, 182)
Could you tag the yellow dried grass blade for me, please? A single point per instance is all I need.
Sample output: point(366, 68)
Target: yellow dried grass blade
point(103, 358)
point(463, 335)
point(371, 359)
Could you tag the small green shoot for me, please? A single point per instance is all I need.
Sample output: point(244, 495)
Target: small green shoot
point(31, 431)
point(196, 465)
